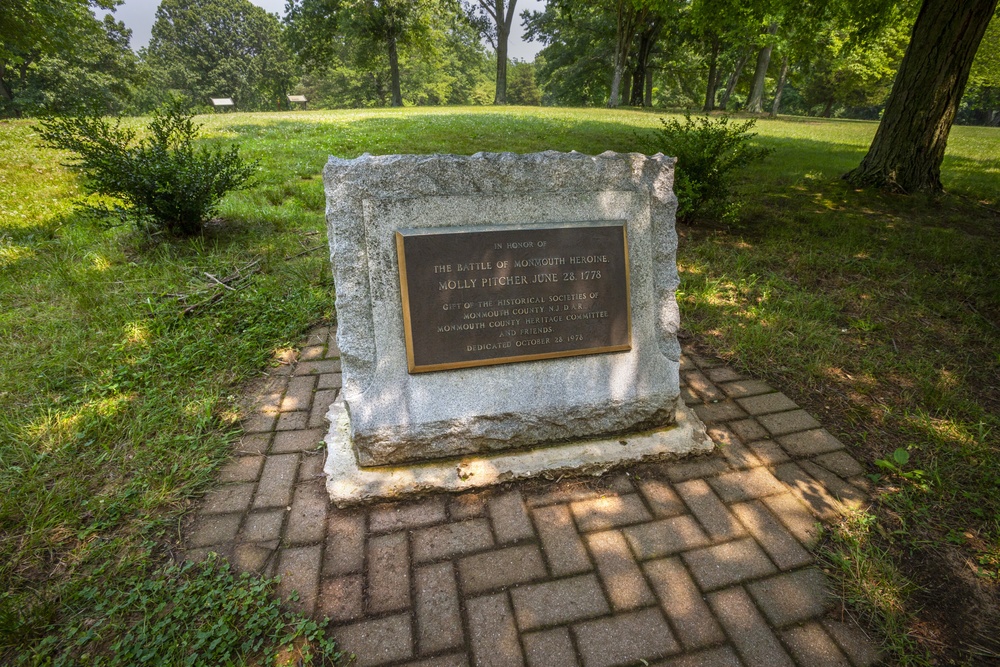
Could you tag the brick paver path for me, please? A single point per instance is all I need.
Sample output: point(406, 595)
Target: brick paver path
point(701, 562)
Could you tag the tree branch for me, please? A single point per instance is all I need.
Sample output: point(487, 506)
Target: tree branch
point(510, 15)
point(489, 10)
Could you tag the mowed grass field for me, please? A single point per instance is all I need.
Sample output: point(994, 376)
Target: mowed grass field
point(122, 361)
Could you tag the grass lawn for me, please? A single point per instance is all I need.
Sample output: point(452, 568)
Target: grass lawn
point(121, 361)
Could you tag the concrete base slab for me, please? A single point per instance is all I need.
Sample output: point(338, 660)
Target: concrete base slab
point(348, 483)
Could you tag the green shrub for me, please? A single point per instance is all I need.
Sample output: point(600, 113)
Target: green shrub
point(159, 181)
point(707, 152)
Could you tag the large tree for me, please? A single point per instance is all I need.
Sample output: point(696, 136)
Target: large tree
point(363, 53)
point(99, 73)
point(642, 65)
point(495, 18)
point(717, 25)
point(740, 59)
point(631, 18)
point(34, 29)
point(575, 62)
point(392, 23)
point(220, 48)
point(910, 141)
point(313, 31)
point(755, 103)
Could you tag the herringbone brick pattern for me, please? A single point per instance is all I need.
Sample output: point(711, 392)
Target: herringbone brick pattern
point(703, 561)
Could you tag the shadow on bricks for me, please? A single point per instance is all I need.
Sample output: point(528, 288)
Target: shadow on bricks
point(702, 561)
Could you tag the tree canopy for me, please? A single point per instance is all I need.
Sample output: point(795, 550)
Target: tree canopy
point(220, 48)
point(814, 57)
point(362, 52)
point(56, 56)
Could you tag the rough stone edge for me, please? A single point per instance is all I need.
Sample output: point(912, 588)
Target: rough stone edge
point(348, 182)
point(478, 436)
point(349, 484)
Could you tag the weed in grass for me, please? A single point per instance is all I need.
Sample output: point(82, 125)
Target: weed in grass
point(897, 465)
point(191, 614)
point(871, 584)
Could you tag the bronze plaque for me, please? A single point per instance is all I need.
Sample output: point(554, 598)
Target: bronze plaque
point(478, 296)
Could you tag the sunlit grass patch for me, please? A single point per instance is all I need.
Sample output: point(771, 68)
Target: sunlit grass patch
point(871, 583)
point(117, 404)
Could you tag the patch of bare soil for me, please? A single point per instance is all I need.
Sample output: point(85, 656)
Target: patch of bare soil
point(959, 611)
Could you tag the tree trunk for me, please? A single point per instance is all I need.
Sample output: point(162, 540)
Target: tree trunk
point(397, 94)
point(828, 109)
point(627, 88)
point(776, 105)
point(713, 76)
point(648, 102)
point(910, 141)
point(755, 104)
point(638, 80)
point(5, 91)
point(734, 78)
point(647, 40)
point(379, 88)
point(628, 20)
point(500, 97)
point(616, 82)
point(503, 17)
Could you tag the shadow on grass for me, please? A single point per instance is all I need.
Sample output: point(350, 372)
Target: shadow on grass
point(304, 145)
point(462, 134)
point(880, 314)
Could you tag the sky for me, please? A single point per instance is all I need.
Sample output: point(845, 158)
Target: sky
point(139, 14)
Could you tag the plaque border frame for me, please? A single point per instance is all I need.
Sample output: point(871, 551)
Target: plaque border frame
point(411, 365)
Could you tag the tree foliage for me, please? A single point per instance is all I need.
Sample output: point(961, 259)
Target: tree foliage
point(522, 88)
point(347, 62)
point(838, 72)
point(981, 103)
point(219, 48)
point(56, 56)
point(579, 42)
